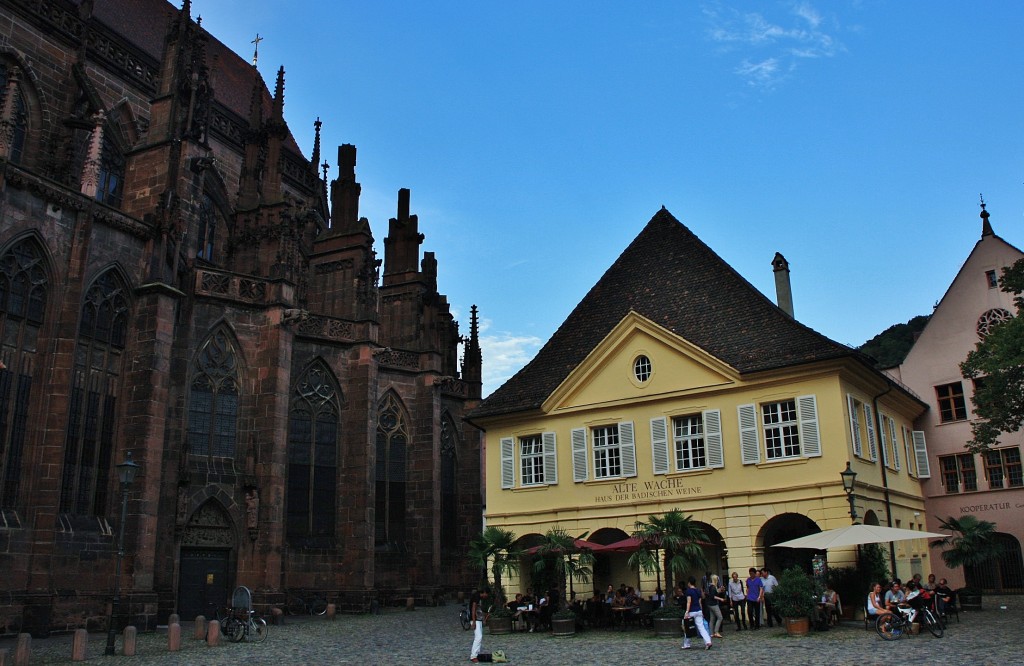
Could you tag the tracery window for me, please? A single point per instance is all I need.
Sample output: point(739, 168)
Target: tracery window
point(213, 399)
point(449, 484)
point(89, 440)
point(207, 228)
point(110, 188)
point(392, 442)
point(23, 292)
point(313, 457)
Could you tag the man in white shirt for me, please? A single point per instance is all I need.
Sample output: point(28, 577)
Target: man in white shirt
point(770, 582)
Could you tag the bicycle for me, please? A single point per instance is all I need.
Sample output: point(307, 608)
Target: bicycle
point(464, 617)
point(893, 626)
point(297, 604)
point(236, 629)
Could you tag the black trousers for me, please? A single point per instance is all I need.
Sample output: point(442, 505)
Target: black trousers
point(739, 613)
point(769, 610)
point(754, 614)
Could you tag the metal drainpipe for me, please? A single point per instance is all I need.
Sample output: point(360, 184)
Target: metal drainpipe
point(879, 424)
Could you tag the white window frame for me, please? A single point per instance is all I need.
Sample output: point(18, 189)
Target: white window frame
point(512, 459)
point(785, 431)
point(607, 451)
point(688, 442)
point(531, 464)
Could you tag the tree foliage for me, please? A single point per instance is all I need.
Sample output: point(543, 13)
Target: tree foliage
point(998, 362)
point(677, 536)
point(891, 346)
point(559, 548)
point(495, 553)
point(971, 544)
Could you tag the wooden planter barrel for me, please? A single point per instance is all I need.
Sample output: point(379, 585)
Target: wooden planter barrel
point(500, 625)
point(797, 626)
point(563, 627)
point(667, 626)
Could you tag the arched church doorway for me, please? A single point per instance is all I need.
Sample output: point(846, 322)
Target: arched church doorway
point(207, 563)
point(783, 528)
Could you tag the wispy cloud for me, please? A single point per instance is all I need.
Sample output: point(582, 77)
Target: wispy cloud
point(504, 354)
point(770, 47)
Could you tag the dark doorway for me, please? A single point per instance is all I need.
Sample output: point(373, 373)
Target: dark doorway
point(784, 528)
point(203, 582)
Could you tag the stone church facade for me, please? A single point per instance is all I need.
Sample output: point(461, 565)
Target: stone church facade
point(179, 283)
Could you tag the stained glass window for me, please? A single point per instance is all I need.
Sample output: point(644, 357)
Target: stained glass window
point(313, 457)
point(213, 399)
point(392, 440)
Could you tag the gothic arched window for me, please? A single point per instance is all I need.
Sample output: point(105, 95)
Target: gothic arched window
point(17, 124)
point(392, 442)
point(449, 484)
point(23, 287)
point(312, 457)
point(110, 187)
point(213, 399)
point(89, 442)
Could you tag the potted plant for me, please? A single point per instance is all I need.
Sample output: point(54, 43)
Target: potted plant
point(671, 544)
point(499, 621)
point(563, 623)
point(796, 599)
point(971, 545)
point(667, 621)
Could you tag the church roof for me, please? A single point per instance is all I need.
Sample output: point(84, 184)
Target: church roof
point(672, 278)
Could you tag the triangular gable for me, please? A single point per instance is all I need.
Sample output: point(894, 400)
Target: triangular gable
point(607, 375)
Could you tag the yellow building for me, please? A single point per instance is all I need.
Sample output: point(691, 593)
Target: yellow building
point(676, 384)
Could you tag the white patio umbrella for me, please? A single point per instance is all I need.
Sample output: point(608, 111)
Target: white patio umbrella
point(853, 535)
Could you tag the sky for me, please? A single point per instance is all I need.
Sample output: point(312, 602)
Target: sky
point(538, 138)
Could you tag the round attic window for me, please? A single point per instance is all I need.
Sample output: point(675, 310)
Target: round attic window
point(642, 368)
point(990, 319)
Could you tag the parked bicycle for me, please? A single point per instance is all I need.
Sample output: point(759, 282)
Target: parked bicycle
point(237, 628)
point(310, 604)
point(464, 617)
point(893, 626)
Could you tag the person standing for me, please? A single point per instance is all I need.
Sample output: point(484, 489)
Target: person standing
point(713, 600)
point(738, 598)
point(477, 617)
point(755, 595)
point(769, 582)
point(694, 612)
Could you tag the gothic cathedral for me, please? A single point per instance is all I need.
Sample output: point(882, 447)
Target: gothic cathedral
point(181, 286)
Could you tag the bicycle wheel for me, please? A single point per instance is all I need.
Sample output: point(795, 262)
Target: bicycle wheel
point(294, 605)
point(318, 606)
point(932, 624)
point(260, 629)
point(889, 627)
point(464, 620)
point(234, 629)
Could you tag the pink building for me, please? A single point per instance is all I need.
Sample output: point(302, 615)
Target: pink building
point(956, 482)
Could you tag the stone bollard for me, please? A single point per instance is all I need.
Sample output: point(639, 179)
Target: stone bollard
point(200, 628)
point(374, 607)
point(173, 618)
point(79, 645)
point(174, 637)
point(276, 616)
point(130, 634)
point(332, 611)
point(23, 651)
point(213, 634)
point(410, 603)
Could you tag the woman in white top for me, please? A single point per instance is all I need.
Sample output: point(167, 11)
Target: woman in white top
point(875, 604)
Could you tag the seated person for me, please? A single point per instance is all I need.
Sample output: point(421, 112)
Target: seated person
point(895, 596)
point(658, 597)
point(915, 599)
point(930, 583)
point(875, 604)
point(830, 603)
point(943, 597)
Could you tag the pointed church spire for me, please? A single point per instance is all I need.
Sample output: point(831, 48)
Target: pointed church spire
point(315, 160)
point(278, 109)
point(472, 358)
point(986, 227)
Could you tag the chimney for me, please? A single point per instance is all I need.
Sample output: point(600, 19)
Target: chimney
point(783, 292)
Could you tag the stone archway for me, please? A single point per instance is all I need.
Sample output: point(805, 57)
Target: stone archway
point(783, 528)
point(206, 560)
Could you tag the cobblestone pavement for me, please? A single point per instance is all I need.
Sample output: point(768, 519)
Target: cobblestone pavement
point(433, 636)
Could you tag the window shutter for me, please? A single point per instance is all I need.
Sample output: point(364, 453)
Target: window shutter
point(883, 439)
point(627, 447)
point(508, 467)
point(550, 458)
point(858, 448)
point(659, 444)
point(579, 454)
point(895, 447)
point(921, 453)
point(750, 450)
point(713, 438)
point(807, 415)
point(869, 418)
point(908, 450)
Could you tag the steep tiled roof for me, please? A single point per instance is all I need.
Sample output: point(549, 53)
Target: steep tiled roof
point(671, 277)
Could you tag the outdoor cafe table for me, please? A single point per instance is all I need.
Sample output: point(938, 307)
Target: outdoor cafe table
point(620, 614)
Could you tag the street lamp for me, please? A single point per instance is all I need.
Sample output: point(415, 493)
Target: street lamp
point(849, 479)
point(126, 475)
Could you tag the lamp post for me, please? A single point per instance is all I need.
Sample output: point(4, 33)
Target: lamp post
point(126, 475)
point(849, 480)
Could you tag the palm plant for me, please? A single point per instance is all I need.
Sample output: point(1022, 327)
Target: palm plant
point(570, 562)
point(494, 552)
point(673, 535)
point(971, 544)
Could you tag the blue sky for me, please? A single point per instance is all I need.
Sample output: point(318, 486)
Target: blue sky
point(853, 136)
